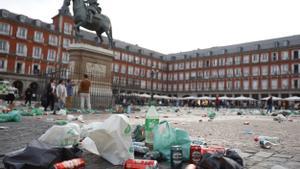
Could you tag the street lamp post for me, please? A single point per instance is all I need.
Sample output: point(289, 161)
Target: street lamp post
point(153, 72)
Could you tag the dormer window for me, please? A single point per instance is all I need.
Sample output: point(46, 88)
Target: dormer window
point(286, 43)
point(22, 18)
point(38, 23)
point(4, 13)
point(4, 28)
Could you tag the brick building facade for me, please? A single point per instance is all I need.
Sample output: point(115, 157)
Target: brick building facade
point(30, 47)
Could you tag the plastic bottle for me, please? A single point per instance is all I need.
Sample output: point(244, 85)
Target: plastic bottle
point(273, 140)
point(152, 119)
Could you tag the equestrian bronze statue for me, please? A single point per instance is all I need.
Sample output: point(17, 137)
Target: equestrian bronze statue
point(88, 15)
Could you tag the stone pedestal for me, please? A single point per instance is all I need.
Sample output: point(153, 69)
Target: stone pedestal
point(96, 62)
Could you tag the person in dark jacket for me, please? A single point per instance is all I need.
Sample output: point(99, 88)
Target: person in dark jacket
point(28, 96)
point(50, 94)
point(269, 105)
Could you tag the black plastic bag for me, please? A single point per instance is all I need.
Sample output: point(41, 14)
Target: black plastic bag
point(229, 160)
point(38, 155)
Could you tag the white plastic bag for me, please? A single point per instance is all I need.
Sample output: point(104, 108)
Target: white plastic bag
point(62, 112)
point(66, 135)
point(112, 138)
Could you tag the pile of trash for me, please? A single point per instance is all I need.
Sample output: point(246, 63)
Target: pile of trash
point(119, 143)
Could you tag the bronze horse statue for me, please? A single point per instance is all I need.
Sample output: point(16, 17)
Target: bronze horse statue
point(100, 23)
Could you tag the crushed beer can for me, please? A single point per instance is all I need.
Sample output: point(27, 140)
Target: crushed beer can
point(140, 164)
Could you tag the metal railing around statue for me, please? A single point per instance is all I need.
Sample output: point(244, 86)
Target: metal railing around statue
point(101, 93)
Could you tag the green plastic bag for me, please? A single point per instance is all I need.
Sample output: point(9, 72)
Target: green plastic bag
point(166, 136)
point(138, 134)
point(211, 115)
point(13, 116)
point(37, 112)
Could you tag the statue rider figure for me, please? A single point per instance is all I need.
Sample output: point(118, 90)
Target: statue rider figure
point(93, 9)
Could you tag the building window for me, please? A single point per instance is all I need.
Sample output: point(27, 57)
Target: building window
point(274, 83)
point(67, 28)
point(194, 64)
point(229, 61)
point(130, 70)
point(284, 84)
point(215, 62)
point(200, 64)
point(149, 63)
point(116, 68)
point(143, 84)
point(237, 72)
point(21, 49)
point(137, 71)
point(51, 55)
point(275, 70)
point(265, 70)
point(180, 76)
point(221, 85)
point(246, 59)
point(165, 76)
point(53, 40)
point(254, 85)
point(187, 76)
point(176, 66)
point(38, 37)
point(187, 65)
point(255, 71)
point(66, 43)
point(229, 72)
point(175, 76)
point(20, 67)
point(187, 87)
point(296, 68)
point(3, 65)
point(296, 83)
point(237, 60)
point(37, 52)
point(206, 74)
point(137, 60)
point(123, 69)
point(125, 57)
point(4, 29)
point(142, 72)
point(35, 69)
point(245, 84)
point(285, 55)
point(246, 71)
point(214, 86)
point(221, 72)
point(170, 67)
point(228, 85)
point(143, 61)
point(264, 84)
point(255, 58)
point(222, 61)
point(117, 55)
point(22, 33)
point(284, 69)
point(214, 73)
point(4, 46)
point(50, 69)
point(274, 56)
point(193, 75)
point(181, 66)
point(154, 64)
point(296, 54)
point(237, 85)
point(264, 57)
point(65, 57)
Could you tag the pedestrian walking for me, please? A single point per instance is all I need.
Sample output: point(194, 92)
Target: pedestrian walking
point(50, 94)
point(61, 94)
point(28, 96)
point(269, 105)
point(10, 97)
point(70, 87)
point(217, 103)
point(84, 92)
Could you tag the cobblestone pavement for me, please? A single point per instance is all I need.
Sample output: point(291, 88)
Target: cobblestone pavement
point(226, 130)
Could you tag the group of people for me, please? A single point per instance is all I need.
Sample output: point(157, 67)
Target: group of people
point(60, 96)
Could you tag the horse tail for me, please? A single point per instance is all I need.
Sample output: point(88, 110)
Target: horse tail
point(111, 36)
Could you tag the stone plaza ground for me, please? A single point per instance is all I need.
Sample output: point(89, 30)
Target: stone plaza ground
point(227, 130)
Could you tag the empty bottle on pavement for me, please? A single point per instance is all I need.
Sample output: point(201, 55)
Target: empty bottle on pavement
point(152, 119)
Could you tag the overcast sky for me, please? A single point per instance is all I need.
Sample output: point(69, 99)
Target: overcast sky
point(171, 26)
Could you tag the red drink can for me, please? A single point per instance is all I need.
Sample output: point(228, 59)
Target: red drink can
point(212, 150)
point(195, 153)
point(77, 163)
point(140, 164)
